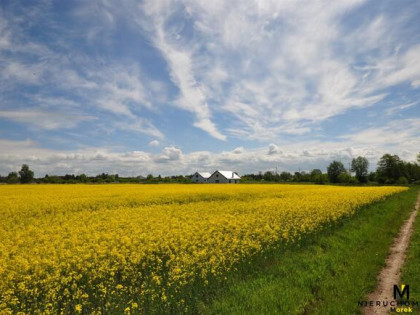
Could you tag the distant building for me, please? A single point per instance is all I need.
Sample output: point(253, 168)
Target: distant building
point(200, 177)
point(224, 177)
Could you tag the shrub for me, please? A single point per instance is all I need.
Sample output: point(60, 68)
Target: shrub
point(402, 181)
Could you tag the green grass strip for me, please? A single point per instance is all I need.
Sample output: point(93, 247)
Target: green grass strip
point(327, 273)
point(411, 268)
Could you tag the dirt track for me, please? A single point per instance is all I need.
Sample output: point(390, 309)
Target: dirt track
point(390, 274)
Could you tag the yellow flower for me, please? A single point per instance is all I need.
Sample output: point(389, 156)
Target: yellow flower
point(63, 240)
point(78, 308)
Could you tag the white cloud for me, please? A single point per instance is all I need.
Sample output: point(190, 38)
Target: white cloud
point(255, 70)
point(238, 150)
point(415, 84)
point(116, 92)
point(395, 109)
point(46, 120)
point(272, 149)
point(277, 63)
point(25, 74)
point(404, 132)
point(192, 96)
point(169, 154)
point(407, 68)
point(399, 137)
point(154, 143)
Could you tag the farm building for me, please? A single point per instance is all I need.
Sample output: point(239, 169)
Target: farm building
point(224, 177)
point(200, 177)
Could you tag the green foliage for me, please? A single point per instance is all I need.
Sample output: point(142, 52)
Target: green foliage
point(372, 177)
point(285, 176)
point(402, 181)
point(25, 174)
point(12, 178)
point(269, 176)
point(334, 170)
point(353, 180)
point(320, 178)
point(360, 166)
point(389, 169)
point(315, 172)
point(344, 178)
point(83, 178)
point(316, 176)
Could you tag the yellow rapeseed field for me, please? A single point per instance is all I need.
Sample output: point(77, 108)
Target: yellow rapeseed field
point(141, 248)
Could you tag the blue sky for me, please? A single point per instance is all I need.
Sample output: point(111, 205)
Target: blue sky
point(171, 87)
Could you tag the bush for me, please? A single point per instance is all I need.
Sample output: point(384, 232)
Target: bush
point(402, 181)
point(344, 178)
point(353, 180)
point(12, 178)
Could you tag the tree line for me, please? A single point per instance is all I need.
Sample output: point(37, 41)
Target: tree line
point(390, 170)
point(25, 175)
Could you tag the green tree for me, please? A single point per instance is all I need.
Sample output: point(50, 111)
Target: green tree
point(25, 174)
point(315, 175)
point(334, 170)
point(316, 171)
point(360, 166)
point(344, 177)
point(83, 178)
point(268, 176)
point(402, 181)
point(12, 178)
point(390, 168)
point(285, 176)
point(372, 176)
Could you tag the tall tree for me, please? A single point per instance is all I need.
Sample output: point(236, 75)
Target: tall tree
point(360, 166)
point(25, 174)
point(334, 170)
point(285, 176)
point(390, 168)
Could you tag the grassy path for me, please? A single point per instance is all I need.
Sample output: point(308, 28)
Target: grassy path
point(327, 273)
point(391, 273)
point(410, 273)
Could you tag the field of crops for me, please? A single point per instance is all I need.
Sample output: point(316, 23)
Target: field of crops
point(148, 248)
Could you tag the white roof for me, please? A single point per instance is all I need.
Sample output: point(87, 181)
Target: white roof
point(229, 174)
point(204, 174)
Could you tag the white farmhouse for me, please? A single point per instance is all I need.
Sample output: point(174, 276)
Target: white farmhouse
point(224, 177)
point(200, 177)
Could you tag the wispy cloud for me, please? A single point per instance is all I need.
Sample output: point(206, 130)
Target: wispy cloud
point(233, 84)
point(272, 64)
point(116, 92)
point(180, 61)
point(46, 120)
point(395, 109)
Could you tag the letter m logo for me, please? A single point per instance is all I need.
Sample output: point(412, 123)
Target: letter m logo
point(405, 289)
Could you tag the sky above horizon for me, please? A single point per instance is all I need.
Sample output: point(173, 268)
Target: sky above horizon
point(172, 87)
